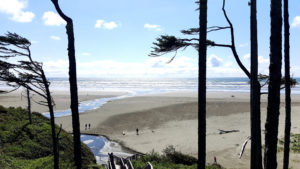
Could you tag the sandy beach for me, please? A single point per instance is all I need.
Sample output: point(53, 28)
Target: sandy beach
point(171, 119)
point(61, 99)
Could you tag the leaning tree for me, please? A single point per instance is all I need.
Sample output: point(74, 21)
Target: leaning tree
point(73, 85)
point(26, 73)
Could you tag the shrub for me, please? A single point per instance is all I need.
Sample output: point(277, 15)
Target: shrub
point(178, 157)
point(24, 145)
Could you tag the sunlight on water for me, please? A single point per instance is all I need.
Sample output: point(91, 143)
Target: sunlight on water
point(100, 146)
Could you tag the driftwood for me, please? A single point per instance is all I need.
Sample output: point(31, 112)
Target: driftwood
point(124, 163)
point(129, 164)
point(227, 131)
point(148, 166)
point(244, 146)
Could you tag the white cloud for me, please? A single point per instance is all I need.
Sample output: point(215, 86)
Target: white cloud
point(243, 45)
point(214, 61)
point(106, 25)
point(34, 42)
point(55, 37)
point(181, 66)
point(53, 19)
point(99, 23)
point(58, 68)
point(247, 56)
point(295, 71)
point(154, 27)
point(15, 8)
point(296, 22)
point(85, 54)
point(261, 59)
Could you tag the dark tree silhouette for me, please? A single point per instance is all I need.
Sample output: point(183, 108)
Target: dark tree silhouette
point(271, 134)
point(256, 158)
point(166, 44)
point(28, 74)
point(265, 80)
point(287, 86)
point(202, 84)
point(73, 85)
point(28, 105)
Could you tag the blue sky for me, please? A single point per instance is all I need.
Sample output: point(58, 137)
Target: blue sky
point(113, 38)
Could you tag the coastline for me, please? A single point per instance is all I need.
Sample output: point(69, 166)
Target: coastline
point(171, 119)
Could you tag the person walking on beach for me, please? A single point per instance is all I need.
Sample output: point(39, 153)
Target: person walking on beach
point(89, 125)
point(85, 126)
point(137, 131)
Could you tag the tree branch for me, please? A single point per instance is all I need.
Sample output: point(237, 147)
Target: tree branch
point(233, 43)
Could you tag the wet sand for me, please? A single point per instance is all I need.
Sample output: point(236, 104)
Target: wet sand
point(171, 119)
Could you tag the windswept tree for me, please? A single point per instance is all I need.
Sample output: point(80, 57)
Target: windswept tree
point(166, 44)
point(271, 134)
point(28, 74)
point(29, 105)
point(287, 86)
point(73, 85)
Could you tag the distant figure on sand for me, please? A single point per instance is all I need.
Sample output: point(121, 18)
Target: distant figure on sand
point(215, 159)
point(137, 131)
point(89, 125)
point(85, 126)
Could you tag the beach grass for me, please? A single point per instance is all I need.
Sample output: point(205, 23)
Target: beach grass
point(294, 143)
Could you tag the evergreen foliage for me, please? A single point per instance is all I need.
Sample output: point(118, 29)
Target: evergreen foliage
point(24, 145)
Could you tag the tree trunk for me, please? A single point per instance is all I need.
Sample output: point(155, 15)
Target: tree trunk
point(271, 135)
point(287, 86)
point(74, 95)
point(52, 121)
point(73, 85)
point(29, 106)
point(256, 159)
point(202, 85)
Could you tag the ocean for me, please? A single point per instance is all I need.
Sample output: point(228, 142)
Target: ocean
point(158, 85)
point(155, 85)
point(142, 86)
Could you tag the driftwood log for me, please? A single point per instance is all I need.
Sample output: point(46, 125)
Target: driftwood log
point(244, 146)
point(227, 131)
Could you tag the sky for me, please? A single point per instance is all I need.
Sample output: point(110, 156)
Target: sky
point(114, 37)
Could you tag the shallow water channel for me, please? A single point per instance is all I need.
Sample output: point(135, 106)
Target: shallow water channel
point(101, 146)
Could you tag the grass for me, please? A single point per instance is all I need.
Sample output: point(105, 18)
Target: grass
point(170, 159)
point(294, 143)
point(29, 146)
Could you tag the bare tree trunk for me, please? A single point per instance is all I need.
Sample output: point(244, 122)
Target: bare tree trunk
point(73, 85)
point(29, 106)
point(202, 85)
point(52, 121)
point(271, 126)
point(256, 159)
point(287, 86)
